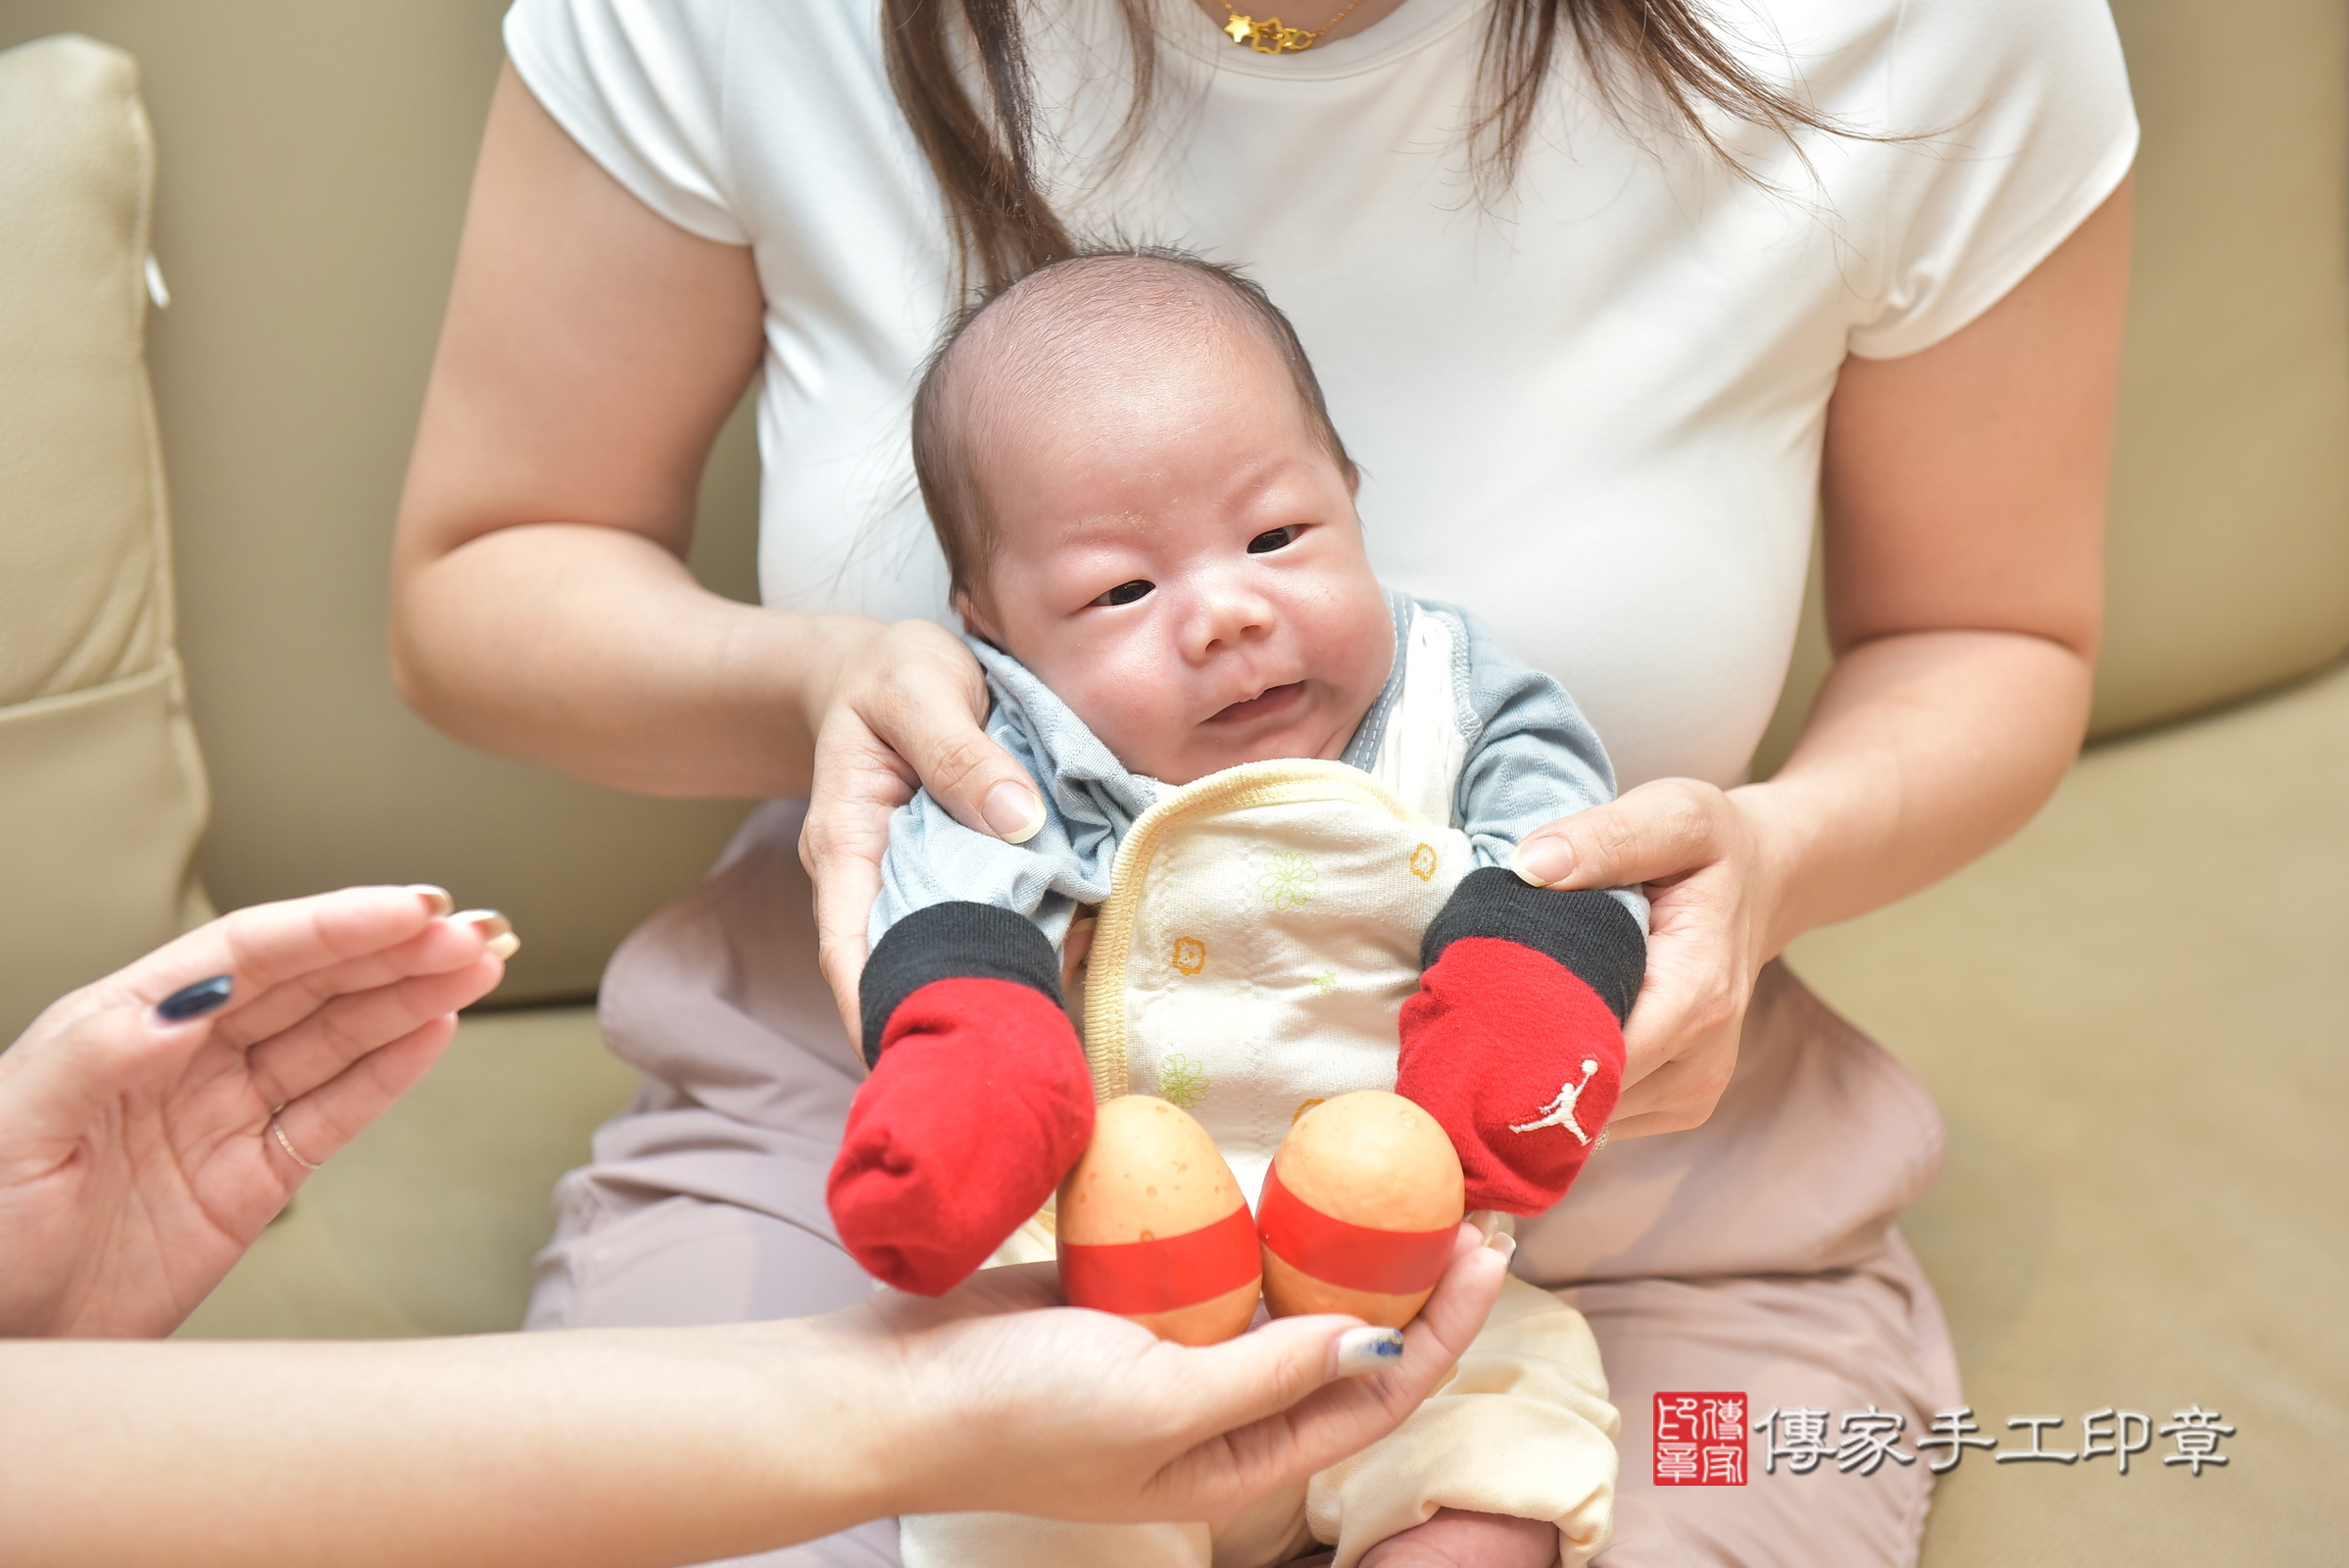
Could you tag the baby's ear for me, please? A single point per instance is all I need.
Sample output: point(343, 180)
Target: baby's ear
point(974, 619)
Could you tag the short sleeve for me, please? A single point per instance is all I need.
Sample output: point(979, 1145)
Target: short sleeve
point(1534, 760)
point(2022, 125)
point(639, 84)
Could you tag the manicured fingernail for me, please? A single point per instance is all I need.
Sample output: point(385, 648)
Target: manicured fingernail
point(436, 900)
point(194, 1001)
point(1361, 1350)
point(495, 927)
point(1486, 1222)
point(1505, 1243)
point(1012, 812)
point(1542, 862)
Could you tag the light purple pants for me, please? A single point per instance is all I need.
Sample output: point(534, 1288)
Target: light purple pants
point(1756, 1254)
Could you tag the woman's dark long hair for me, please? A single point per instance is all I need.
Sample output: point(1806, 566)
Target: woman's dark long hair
point(984, 155)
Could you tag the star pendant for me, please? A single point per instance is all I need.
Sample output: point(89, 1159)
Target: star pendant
point(1239, 27)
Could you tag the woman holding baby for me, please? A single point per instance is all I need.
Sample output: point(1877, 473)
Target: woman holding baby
point(1611, 299)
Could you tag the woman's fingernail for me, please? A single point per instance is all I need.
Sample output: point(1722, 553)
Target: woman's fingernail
point(484, 922)
point(436, 900)
point(1486, 1222)
point(194, 1001)
point(1542, 862)
point(1012, 812)
point(1361, 1350)
point(495, 927)
point(1505, 1243)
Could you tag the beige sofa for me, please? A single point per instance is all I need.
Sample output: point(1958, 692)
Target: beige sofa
point(2134, 1014)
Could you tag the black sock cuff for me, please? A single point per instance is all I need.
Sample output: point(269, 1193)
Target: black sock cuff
point(1593, 935)
point(957, 940)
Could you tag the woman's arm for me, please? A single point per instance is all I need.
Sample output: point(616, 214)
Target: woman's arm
point(540, 602)
point(604, 1448)
point(1964, 489)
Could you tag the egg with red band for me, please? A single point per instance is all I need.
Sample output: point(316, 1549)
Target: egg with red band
point(1359, 1209)
point(1150, 1225)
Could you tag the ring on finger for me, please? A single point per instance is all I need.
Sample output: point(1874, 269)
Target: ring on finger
point(287, 1143)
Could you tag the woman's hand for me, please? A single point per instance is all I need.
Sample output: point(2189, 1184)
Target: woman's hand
point(138, 1155)
point(1080, 1415)
point(1700, 855)
point(904, 716)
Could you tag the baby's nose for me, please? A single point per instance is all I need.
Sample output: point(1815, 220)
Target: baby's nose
point(1229, 619)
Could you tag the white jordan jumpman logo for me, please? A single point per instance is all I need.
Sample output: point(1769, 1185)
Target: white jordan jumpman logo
point(1559, 1113)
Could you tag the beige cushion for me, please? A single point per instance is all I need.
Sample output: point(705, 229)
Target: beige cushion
point(315, 162)
point(102, 793)
point(2229, 557)
point(2131, 1016)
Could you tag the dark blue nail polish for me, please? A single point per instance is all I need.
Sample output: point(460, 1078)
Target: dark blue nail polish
point(194, 1001)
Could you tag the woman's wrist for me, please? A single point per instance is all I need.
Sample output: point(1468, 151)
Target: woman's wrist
point(1922, 752)
point(834, 650)
point(854, 1426)
point(1784, 825)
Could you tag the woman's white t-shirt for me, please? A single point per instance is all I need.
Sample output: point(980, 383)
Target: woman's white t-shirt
point(1588, 411)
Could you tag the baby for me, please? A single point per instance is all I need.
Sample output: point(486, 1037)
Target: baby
point(1149, 519)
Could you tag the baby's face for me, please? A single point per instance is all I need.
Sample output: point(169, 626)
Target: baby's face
point(1179, 560)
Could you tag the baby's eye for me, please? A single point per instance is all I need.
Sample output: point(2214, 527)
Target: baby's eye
point(1125, 593)
point(1271, 539)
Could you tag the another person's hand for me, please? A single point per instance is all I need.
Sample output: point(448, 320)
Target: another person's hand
point(906, 715)
point(1700, 856)
point(141, 1153)
point(1080, 1415)
point(621, 1447)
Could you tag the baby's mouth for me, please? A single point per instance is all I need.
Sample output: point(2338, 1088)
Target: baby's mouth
point(1266, 704)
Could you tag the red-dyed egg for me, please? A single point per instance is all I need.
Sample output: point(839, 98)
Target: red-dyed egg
point(1152, 1226)
point(1359, 1209)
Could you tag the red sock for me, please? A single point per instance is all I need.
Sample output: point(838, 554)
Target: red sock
point(978, 1104)
point(1519, 1060)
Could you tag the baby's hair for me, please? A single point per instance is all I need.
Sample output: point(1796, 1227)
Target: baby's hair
point(1056, 316)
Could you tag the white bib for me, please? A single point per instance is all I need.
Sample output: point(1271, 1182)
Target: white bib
point(1260, 936)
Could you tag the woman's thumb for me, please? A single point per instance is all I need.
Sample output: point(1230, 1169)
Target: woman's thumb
point(1658, 830)
point(1263, 1373)
point(980, 784)
point(58, 1074)
point(1013, 811)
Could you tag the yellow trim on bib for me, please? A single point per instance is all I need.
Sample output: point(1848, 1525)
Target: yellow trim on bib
point(1282, 781)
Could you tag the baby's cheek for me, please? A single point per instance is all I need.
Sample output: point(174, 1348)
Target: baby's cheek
point(1354, 637)
point(1145, 737)
point(1135, 704)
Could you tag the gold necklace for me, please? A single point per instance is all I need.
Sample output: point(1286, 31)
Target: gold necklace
point(1271, 38)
